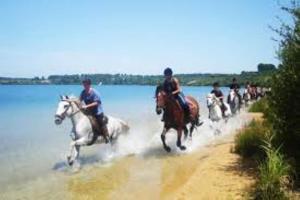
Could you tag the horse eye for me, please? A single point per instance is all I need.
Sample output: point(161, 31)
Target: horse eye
point(65, 106)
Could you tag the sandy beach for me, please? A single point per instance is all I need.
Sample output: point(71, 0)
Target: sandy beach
point(213, 172)
point(209, 172)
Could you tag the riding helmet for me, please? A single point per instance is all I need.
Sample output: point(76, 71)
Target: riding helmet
point(87, 81)
point(168, 72)
point(216, 84)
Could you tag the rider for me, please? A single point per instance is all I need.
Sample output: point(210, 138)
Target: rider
point(218, 93)
point(93, 106)
point(235, 87)
point(172, 87)
point(248, 87)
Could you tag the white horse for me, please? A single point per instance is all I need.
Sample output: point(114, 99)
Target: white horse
point(82, 133)
point(214, 107)
point(233, 101)
point(215, 112)
point(246, 97)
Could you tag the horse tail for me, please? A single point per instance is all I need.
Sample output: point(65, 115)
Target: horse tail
point(125, 127)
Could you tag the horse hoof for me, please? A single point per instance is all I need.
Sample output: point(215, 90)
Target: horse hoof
point(168, 149)
point(182, 148)
point(70, 163)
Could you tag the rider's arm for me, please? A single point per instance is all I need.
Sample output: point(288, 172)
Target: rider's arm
point(96, 101)
point(91, 105)
point(177, 87)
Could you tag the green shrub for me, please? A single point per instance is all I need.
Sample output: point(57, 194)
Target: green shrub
point(273, 175)
point(249, 141)
point(284, 106)
point(260, 106)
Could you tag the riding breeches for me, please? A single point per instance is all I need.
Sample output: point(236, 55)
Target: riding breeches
point(181, 99)
point(102, 121)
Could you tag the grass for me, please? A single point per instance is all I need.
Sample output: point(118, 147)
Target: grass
point(260, 106)
point(249, 141)
point(255, 142)
point(274, 175)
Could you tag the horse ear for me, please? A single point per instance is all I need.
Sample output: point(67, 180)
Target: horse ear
point(67, 97)
point(158, 89)
point(61, 97)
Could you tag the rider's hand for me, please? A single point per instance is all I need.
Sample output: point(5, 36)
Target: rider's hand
point(83, 107)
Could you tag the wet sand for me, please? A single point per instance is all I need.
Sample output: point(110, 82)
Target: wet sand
point(210, 172)
point(213, 172)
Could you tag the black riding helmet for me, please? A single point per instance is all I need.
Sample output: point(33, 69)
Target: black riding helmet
point(216, 84)
point(168, 72)
point(87, 81)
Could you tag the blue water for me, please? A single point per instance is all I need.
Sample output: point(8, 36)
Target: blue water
point(31, 144)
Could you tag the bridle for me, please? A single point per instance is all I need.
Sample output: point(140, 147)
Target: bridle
point(214, 100)
point(62, 116)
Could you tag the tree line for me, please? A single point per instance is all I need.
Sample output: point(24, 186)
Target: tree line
point(260, 77)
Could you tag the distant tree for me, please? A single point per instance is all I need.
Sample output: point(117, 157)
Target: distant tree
point(265, 67)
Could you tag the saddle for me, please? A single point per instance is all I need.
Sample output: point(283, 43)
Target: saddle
point(96, 124)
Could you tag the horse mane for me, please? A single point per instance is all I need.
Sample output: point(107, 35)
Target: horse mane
point(69, 97)
point(159, 88)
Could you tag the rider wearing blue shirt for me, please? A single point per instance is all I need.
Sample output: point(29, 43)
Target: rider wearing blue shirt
point(90, 97)
point(93, 106)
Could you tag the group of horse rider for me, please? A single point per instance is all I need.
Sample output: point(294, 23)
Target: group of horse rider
point(171, 86)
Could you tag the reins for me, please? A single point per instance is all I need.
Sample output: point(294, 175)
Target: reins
point(70, 105)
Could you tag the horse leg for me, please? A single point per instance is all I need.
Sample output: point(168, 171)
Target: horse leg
point(74, 150)
point(191, 130)
point(179, 134)
point(186, 131)
point(76, 154)
point(163, 139)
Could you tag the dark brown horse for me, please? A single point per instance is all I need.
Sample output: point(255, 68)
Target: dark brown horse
point(174, 116)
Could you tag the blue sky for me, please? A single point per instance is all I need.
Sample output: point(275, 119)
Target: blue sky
point(46, 37)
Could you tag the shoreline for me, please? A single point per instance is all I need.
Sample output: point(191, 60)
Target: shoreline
point(209, 172)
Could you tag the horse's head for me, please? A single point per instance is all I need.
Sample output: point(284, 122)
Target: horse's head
point(210, 99)
point(160, 96)
point(64, 109)
point(232, 95)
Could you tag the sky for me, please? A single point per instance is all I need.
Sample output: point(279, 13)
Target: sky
point(45, 37)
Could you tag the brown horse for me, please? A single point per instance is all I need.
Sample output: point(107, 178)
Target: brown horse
point(174, 116)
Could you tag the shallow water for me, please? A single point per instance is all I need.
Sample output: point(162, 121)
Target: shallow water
point(33, 149)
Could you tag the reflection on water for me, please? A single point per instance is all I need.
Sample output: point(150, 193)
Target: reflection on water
point(33, 149)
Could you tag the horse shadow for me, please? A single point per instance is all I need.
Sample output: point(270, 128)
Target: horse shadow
point(159, 152)
point(83, 160)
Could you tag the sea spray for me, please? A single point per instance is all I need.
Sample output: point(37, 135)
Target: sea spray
point(144, 140)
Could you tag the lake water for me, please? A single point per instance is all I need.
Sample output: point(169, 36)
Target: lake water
point(32, 146)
